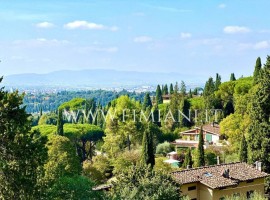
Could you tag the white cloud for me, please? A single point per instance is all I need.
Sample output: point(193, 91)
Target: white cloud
point(262, 45)
point(45, 25)
point(222, 5)
point(236, 29)
point(143, 39)
point(185, 35)
point(88, 25)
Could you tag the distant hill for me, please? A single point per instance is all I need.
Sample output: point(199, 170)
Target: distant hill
point(95, 78)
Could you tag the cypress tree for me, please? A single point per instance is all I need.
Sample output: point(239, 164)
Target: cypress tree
point(232, 78)
point(259, 130)
point(40, 112)
point(257, 70)
point(201, 159)
point(183, 88)
point(243, 151)
point(195, 91)
point(60, 124)
point(147, 101)
point(217, 82)
point(188, 159)
point(159, 99)
point(165, 89)
point(190, 94)
point(148, 155)
point(171, 88)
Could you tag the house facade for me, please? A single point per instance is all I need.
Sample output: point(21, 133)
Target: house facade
point(220, 181)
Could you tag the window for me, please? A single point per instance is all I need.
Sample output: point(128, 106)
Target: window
point(250, 181)
point(250, 194)
point(191, 188)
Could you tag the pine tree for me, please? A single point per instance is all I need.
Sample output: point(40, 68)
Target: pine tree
point(243, 151)
point(171, 88)
point(217, 82)
point(147, 101)
point(259, 130)
point(201, 159)
point(232, 78)
point(188, 159)
point(257, 70)
point(148, 155)
point(159, 99)
point(208, 93)
point(60, 124)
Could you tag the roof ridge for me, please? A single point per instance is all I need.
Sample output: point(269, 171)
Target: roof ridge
point(209, 166)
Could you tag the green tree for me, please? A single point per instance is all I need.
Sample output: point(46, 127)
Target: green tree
point(201, 158)
point(183, 89)
point(159, 99)
point(75, 187)
point(256, 73)
point(141, 182)
point(171, 88)
point(188, 159)
point(217, 82)
point(208, 93)
point(190, 94)
point(147, 103)
point(232, 78)
point(22, 153)
point(243, 151)
point(259, 130)
point(60, 123)
point(164, 148)
point(148, 155)
point(84, 138)
point(62, 160)
point(165, 90)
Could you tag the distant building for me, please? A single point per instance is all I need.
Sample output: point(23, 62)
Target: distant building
point(219, 181)
point(166, 98)
point(190, 138)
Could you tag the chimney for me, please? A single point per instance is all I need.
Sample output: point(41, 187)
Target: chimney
point(258, 165)
point(218, 160)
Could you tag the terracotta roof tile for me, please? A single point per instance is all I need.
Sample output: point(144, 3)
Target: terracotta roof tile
point(212, 176)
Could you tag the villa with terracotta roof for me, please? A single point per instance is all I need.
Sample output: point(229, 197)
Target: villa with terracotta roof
point(190, 138)
point(219, 181)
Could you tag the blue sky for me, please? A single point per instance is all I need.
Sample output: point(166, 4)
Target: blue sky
point(183, 36)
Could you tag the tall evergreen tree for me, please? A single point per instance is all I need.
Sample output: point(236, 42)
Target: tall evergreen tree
point(183, 88)
point(159, 99)
point(217, 82)
point(148, 155)
point(195, 91)
point(208, 93)
point(190, 94)
point(40, 112)
point(232, 78)
point(257, 70)
point(171, 88)
point(147, 103)
point(259, 130)
point(60, 123)
point(165, 90)
point(243, 151)
point(22, 151)
point(188, 159)
point(201, 159)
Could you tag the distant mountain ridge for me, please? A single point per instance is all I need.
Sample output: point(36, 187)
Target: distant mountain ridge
point(95, 78)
